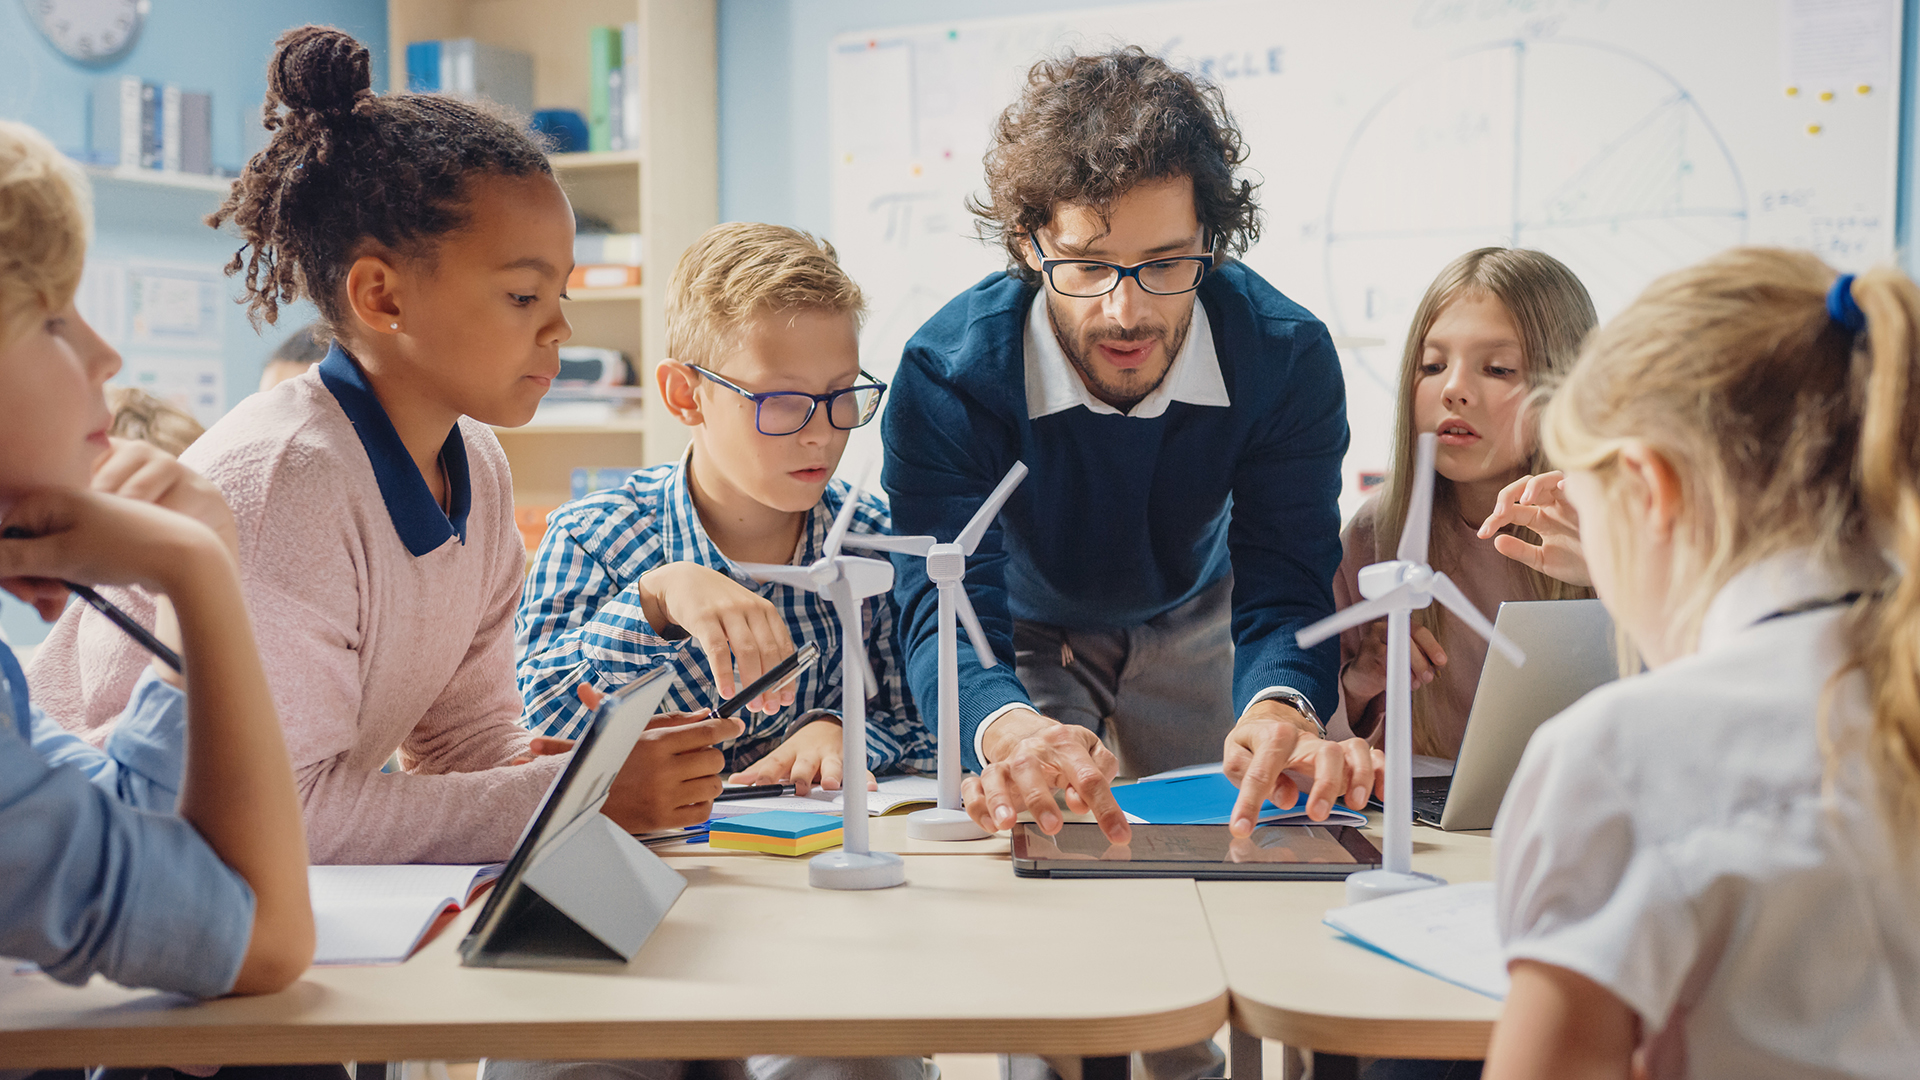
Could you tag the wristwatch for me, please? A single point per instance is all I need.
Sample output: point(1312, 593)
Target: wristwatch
point(1296, 699)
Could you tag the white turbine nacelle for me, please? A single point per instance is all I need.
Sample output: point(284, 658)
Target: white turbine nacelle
point(1382, 578)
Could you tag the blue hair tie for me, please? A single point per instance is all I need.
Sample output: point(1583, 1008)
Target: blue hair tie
point(1841, 308)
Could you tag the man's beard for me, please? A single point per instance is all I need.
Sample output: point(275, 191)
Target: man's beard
point(1123, 395)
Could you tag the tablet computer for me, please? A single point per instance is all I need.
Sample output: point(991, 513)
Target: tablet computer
point(1204, 852)
point(518, 927)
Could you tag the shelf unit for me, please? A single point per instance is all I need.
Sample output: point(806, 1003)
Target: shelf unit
point(670, 205)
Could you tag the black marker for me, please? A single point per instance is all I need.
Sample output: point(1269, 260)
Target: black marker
point(114, 615)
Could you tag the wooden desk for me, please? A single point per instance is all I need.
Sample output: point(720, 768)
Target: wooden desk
point(1294, 979)
point(965, 958)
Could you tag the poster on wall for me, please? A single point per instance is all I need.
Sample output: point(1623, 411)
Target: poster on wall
point(168, 322)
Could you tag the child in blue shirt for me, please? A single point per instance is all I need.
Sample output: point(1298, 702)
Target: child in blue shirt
point(173, 857)
point(644, 574)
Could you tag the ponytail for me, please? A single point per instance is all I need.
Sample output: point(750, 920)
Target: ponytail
point(1886, 632)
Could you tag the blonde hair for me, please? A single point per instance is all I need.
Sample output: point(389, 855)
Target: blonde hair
point(139, 415)
point(45, 216)
point(741, 270)
point(1553, 313)
point(1787, 431)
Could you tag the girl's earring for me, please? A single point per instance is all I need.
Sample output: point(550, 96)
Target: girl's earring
point(395, 326)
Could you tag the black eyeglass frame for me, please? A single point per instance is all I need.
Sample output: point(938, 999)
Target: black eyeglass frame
point(814, 401)
point(1122, 273)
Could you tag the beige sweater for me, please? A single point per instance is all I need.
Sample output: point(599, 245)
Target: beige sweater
point(1486, 576)
point(368, 649)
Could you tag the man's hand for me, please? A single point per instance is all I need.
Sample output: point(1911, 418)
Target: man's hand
point(809, 755)
point(671, 777)
point(137, 470)
point(1273, 750)
point(1365, 678)
point(732, 623)
point(1537, 503)
point(1030, 757)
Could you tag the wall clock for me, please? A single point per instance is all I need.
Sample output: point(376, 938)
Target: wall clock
point(90, 31)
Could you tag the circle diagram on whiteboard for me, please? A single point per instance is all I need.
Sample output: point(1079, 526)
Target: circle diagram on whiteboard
point(1581, 150)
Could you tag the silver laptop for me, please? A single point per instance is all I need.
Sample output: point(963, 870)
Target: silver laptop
point(1570, 651)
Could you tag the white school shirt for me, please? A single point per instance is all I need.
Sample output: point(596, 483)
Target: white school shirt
point(1670, 837)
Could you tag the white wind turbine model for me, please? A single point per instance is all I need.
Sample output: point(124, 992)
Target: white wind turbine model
point(1395, 589)
point(947, 569)
point(845, 580)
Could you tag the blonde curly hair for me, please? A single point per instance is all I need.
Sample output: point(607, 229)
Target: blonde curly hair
point(45, 219)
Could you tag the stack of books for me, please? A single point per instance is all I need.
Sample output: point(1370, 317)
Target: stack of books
point(605, 260)
point(474, 70)
point(616, 102)
point(146, 125)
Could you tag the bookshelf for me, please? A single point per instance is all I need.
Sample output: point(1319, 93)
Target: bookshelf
point(668, 191)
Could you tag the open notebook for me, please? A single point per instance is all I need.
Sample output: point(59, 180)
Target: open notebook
point(895, 792)
point(381, 914)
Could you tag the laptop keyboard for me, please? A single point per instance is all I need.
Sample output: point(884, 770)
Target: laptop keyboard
point(1429, 799)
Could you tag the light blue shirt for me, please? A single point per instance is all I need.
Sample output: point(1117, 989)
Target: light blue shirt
point(97, 875)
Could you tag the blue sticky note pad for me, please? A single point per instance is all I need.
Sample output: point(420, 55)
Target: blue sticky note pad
point(1206, 799)
point(786, 824)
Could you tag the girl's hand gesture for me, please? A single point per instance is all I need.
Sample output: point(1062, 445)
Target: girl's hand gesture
point(1537, 503)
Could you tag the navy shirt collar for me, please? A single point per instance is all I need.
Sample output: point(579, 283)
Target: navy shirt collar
point(422, 525)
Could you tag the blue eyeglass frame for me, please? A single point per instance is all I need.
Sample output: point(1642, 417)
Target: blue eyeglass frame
point(814, 401)
point(1122, 273)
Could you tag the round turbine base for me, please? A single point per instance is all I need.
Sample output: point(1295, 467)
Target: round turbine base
point(937, 823)
point(847, 870)
point(1374, 884)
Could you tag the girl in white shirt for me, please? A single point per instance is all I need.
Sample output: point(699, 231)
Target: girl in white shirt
point(1707, 870)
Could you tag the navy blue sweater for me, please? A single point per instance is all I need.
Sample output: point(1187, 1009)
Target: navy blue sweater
point(1122, 518)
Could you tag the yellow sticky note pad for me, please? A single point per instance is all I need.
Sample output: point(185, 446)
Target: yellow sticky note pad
point(770, 845)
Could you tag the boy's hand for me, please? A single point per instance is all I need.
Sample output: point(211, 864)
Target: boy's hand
point(137, 470)
point(734, 624)
point(98, 540)
point(1537, 503)
point(1365, 677)
point(809, 755)
point(671, 777)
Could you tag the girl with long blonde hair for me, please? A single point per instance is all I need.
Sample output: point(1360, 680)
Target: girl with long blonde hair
point(1494, 326)
point(1706, 870)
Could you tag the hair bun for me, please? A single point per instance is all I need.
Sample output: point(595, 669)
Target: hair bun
point(317, 69)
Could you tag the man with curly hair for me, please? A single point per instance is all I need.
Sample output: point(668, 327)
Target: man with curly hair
point(1184, 423)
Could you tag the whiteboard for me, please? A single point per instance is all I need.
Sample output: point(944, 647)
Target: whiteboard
point(1625, 137)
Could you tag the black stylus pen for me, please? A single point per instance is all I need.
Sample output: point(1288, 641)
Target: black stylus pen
point(114, 615)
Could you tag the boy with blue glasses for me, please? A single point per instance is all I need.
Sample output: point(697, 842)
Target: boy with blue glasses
point(763, 328)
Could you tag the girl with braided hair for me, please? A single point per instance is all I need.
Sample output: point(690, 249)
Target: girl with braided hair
point(373, 502)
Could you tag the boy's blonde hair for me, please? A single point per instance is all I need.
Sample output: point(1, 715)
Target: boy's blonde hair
point(1553, 313)
point(155, 421)
point(741, 270)
point(1788, 432)
point(45, 216)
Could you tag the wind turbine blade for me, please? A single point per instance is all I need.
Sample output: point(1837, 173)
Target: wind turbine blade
point(907, 545)
point(841, 521)
point(975, 632)
point(797, 576)
point(1363, 612)
point(969, 537)
point(1445, 591)
point(1419, 523)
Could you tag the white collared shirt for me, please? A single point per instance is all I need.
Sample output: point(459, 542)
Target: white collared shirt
point(1054, 385)
point(1682, 839)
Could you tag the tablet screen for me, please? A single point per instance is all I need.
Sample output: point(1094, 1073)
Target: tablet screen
point(1200, 850)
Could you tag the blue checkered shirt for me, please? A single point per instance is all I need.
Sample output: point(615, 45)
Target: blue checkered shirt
point(580, 620)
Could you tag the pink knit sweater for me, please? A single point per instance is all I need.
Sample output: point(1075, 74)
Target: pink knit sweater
point(367, 648)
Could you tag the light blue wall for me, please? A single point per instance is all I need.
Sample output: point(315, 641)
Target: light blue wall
point(773, 100)
point(220, 46)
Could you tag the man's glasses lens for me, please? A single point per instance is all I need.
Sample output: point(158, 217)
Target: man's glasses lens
point(1089, 279)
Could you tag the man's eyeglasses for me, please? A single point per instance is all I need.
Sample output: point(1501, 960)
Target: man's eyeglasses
point(783, 412)
point(1089, 278)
